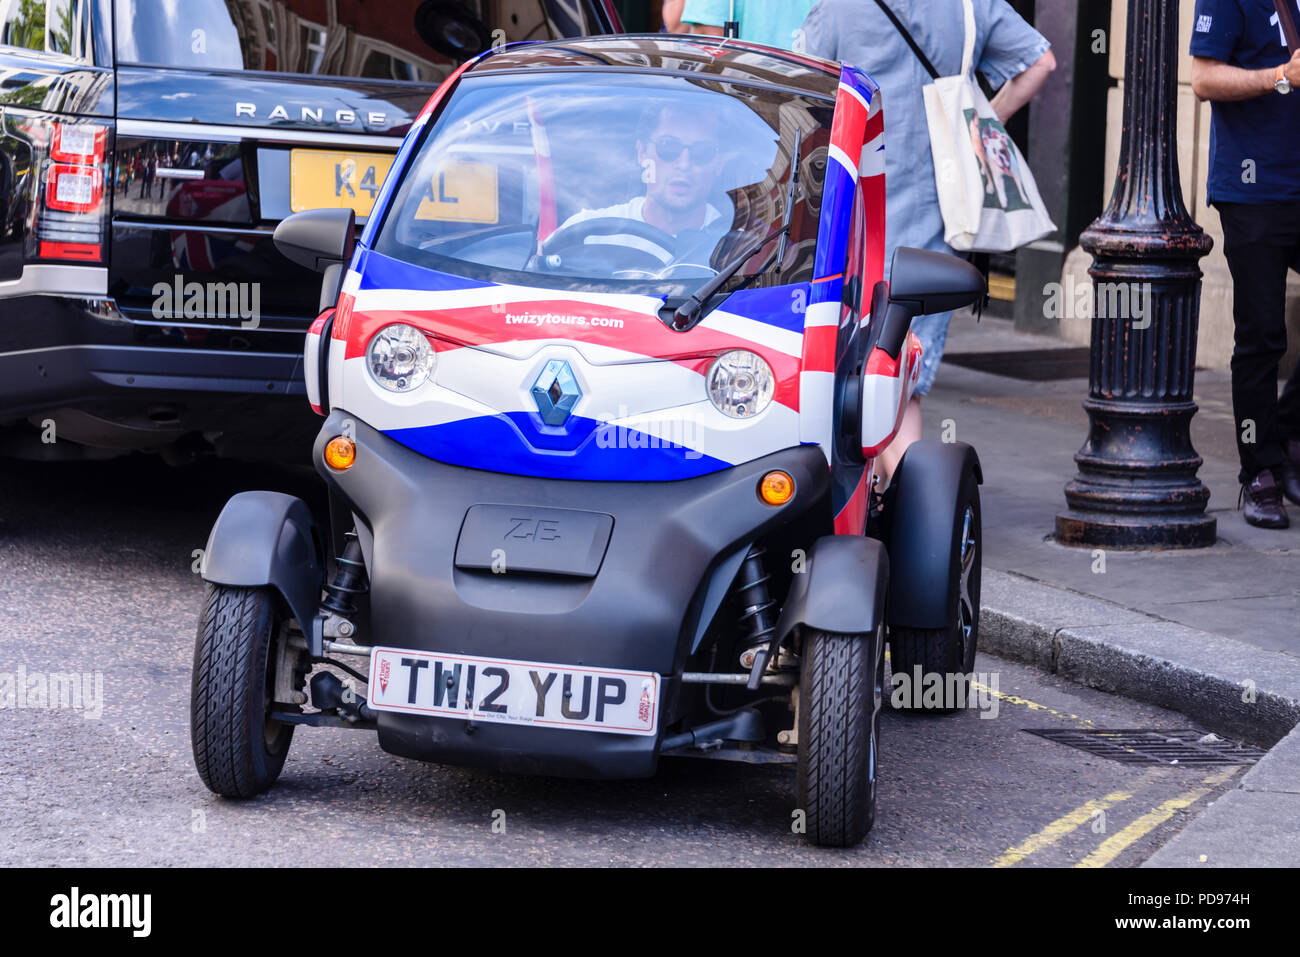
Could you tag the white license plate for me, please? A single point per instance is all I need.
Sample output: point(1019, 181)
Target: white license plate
point(504, 691)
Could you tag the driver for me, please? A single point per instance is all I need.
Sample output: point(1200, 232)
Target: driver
point(679, 154)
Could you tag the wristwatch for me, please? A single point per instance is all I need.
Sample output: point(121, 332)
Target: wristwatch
point(1283, 85)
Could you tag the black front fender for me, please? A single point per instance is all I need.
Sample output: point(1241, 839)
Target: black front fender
point(841, 589)
point(921, 524)
point(268, 539)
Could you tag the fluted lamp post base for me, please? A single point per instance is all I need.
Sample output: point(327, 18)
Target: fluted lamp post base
point(1107, 530)
point(1137, 484)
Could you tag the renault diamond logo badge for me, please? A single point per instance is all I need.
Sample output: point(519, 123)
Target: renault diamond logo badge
point(556, 392)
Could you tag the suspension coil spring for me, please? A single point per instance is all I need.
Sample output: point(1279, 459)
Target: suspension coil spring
point(757, 621)
point(349, 579)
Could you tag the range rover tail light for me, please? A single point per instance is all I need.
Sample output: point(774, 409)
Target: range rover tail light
point(72, 211)
point(79, 143)
point(74, 189)
point(81, 252)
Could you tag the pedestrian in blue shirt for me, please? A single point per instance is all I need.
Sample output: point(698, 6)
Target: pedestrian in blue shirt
point(1241, 64)
point(1009, 53)
point(775, 23)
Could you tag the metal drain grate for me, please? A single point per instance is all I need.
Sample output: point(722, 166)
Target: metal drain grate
point(1031, 365)
point(1183, 746)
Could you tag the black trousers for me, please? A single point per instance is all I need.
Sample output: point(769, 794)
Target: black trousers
point(1260, 243)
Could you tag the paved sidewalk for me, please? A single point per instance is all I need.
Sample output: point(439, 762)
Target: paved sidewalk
point(1246, 587)
point(1213, 633)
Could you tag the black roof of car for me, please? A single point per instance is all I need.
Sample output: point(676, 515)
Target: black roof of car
point(701, 56)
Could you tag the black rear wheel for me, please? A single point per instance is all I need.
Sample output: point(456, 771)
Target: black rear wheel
point(943, 658)
point(238, 750)
point(840, 691)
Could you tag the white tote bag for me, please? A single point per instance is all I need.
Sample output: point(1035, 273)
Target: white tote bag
point(987, 194)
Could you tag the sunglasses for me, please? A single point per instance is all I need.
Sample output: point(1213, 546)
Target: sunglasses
point(670, 148)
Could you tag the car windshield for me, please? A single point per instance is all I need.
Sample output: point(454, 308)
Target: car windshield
point(612, 182)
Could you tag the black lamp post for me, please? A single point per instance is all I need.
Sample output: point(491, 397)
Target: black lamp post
point(1137, 484)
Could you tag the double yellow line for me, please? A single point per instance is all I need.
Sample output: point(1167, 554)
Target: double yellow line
point(1032, 705)
point(1121, 840)
point(1118, 842)
point(1113, 846)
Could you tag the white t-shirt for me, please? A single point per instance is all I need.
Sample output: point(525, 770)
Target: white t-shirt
point(632, 209)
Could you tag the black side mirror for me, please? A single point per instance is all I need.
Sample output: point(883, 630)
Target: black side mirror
point(317, 238)
point(923, 282)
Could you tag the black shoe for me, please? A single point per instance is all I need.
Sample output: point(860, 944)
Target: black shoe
point(1263, 500)
point(1291, 470)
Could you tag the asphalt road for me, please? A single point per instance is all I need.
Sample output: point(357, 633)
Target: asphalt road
point(96, 577)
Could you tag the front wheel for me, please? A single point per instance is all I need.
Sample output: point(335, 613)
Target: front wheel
point(840, 691)
point(238, 750)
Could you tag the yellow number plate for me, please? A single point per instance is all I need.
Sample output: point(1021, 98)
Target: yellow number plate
point(461, 192)
point(324, 178)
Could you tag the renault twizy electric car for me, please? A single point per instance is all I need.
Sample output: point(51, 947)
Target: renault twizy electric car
point(604, 379)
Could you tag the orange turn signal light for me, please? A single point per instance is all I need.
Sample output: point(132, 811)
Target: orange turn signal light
point(777, 488)
point(340, 453)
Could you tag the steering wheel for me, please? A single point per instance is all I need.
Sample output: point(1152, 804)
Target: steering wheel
point(567, 237)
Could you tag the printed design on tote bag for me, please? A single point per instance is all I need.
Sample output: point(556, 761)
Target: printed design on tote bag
point(999, 170)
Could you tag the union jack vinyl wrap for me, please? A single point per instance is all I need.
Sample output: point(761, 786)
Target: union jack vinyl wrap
point(639, 408)
point(643, 413)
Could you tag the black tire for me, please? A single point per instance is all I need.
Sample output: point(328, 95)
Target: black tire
point(238, 751)
point(950, 651)
point(840, 691)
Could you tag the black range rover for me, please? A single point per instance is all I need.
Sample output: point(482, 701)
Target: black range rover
point(147, 150)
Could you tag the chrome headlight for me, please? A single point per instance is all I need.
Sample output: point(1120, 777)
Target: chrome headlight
point(400, 358)
point(740, 384)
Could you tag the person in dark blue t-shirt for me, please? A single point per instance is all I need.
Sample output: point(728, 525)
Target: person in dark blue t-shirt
point(1243, 66)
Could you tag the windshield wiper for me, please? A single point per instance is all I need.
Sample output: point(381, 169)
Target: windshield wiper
point(692, 310)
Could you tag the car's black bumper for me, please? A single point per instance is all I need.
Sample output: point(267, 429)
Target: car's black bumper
point(644, 610)
point(57, 353)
